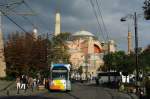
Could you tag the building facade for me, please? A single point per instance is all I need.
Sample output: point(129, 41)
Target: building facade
point(86, 54)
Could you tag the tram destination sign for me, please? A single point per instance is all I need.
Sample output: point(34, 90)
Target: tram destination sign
point(59, 71)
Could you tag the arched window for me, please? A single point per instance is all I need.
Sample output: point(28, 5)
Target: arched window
point(97, 49)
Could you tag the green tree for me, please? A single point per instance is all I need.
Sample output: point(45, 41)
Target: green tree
point(24, 54)
point(128, 65)
point(144, 62)
point(112, 61)
point(119, 61)
point(146, 9)
point(58, 51)
point(27, 55)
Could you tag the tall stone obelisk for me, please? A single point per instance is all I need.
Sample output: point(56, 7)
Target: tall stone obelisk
point(57, 23)
point(2, 58)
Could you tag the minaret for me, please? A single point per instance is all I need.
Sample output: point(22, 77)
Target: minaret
point(35, 33)
point(129, 42)
point(57, 24)
point(111, 46)
point(2, 58)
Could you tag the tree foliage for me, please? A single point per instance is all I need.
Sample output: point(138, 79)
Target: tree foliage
point(146, 9)
point(26, 55)
point(144, 60)
point(58, 51)
point(119, 61)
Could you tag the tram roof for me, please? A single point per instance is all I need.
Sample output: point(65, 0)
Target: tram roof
point(61, 65)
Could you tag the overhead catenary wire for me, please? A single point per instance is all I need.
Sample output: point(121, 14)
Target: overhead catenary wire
point(100, 13)
point(31, 9)
point(26, 4)
point(99, 25)
point(7, 7)
point(12, 3)
point(15, 23)
point(27, 19)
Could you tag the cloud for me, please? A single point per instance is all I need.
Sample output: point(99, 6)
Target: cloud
point(78, 14)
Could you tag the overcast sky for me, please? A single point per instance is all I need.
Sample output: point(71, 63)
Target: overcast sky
point(78, 14)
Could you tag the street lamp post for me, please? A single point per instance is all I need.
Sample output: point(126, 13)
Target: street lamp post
point(136, 43)
point(136, 47)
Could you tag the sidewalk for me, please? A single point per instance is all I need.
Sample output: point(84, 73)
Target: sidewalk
point(114, 92)
point(120, 95)
point(5, 84)
point(8, 88)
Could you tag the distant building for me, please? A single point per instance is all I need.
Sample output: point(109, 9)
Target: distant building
point(86, 52)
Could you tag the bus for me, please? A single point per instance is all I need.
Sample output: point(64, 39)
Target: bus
point(60, 77)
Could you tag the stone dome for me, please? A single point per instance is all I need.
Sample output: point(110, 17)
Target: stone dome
point(83, 33)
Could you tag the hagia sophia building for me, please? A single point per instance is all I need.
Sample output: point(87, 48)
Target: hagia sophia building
point(86, 52)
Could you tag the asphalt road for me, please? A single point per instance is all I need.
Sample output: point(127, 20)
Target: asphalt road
point(80, 91)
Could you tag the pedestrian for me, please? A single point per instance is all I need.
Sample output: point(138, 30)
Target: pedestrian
point(141, 93)
point(21, 81)
point(34, 82)
point(18, 84)
point(31, 82)
point(24, 81)
point(97, 81)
